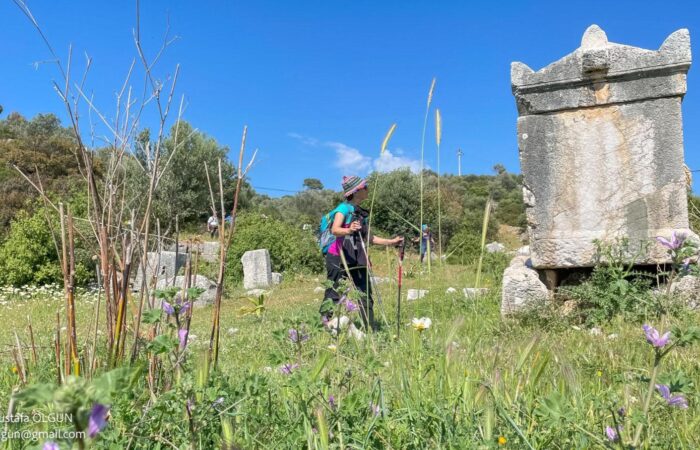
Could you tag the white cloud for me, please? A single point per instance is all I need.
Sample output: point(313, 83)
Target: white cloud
point(306, 140)
point(349, 159)
point(388, 162)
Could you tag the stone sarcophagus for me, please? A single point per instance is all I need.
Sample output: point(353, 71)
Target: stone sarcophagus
point(601, 149)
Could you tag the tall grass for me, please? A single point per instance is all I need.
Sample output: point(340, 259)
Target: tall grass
point(438, 139)
point(422, 155)
point(484, 228)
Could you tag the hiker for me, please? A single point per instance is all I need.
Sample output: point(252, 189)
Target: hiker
point(425, 238)
point(212, 226)
point(348, 228)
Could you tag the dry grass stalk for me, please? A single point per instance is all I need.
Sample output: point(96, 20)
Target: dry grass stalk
point(438, 139)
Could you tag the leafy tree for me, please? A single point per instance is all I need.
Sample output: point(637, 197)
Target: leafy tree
point(40, 147)
point(313, 183)
point(183, 189)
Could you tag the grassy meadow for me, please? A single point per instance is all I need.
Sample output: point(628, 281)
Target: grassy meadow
point(471, 380)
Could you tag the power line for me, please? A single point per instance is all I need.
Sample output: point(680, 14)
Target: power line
point(274, 189)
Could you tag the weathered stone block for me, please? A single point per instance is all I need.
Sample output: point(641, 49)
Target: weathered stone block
point(415, 294)
point(601, 149)
point(257, 270)
point(522, 288)
point(205, 298)
point(164, 265)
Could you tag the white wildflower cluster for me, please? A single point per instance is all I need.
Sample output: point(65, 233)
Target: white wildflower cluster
point(48, 293)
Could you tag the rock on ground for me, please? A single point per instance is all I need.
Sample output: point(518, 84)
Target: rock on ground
point(200, 281)
point(522, 288)
point(495, 247)
point(474, 292)
point(415, 294)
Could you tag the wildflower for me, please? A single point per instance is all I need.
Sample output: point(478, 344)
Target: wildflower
point(98, 419)
point(350, 306)
point(296, 337)
point(421, 324)
point(287, 369)
point(679, 401)
point(653, 336)
point(675, 243)
point(502, 440)
point(332, 403)
point(168, 308)
point(599, 373)
point(182, 334)
point(333, 348)
point(218, 402)
point(15, 369)
point(613, 434)
point(374, 408)
point(50, 445)
point(622, 412)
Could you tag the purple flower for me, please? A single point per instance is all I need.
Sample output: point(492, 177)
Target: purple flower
point(677, 401)
point(168, 308)
point(185, 306)
point(98, 419)
point(182, 334)
point(350, 306)
point(675, 243)
point(50, 445)
point(622, 412)
point(287, 369)
point(613, 434)
point(653, 336)
point(296, 337)
point(331, 402)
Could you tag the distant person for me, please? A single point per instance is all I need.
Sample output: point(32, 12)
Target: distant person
point(346, 231)
point(425, 239)
point(212, 226)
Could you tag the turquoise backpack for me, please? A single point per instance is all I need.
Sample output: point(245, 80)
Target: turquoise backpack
point(326, 237)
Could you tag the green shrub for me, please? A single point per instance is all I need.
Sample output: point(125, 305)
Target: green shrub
point(616, 287)
point(28, 255)
point(291, 249)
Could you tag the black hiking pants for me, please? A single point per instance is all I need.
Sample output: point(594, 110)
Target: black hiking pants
point(360, 279)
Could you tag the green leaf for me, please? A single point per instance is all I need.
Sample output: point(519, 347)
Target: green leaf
point(162, 344)
point(151, 316)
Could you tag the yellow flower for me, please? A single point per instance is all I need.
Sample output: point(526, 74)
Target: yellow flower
point(14, 369)
point(502, 440)
point(421, 324)
point(599, 373)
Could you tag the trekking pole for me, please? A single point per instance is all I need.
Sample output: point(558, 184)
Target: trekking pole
point(402, 249)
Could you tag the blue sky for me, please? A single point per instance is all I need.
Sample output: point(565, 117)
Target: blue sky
point(320, 82)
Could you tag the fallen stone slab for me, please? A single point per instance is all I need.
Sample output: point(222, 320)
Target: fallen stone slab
point(255, 292)
point(277, 278)
point(474, 292)
point(380, 280)
point(495, 247)
point(415, 294)
point(206, 298)
point(450, 290)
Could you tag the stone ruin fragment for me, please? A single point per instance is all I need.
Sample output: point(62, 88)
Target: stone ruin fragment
point(600, 138)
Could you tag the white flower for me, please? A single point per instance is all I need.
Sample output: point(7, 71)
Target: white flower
point(421, 324)
point(333, 347)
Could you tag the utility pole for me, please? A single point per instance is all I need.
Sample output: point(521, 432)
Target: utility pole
point(459, 161)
